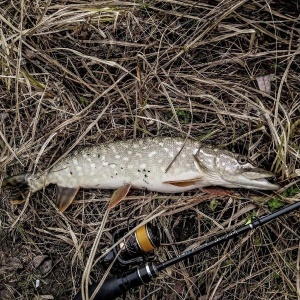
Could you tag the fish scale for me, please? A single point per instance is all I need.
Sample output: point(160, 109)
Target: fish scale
point(167, 165)
point(141, 163)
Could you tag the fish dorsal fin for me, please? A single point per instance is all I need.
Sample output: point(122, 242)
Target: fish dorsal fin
point(119, 195)
point(185, 182)
point(65, 197)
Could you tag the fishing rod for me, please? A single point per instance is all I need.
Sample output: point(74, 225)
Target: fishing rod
point(114, 287)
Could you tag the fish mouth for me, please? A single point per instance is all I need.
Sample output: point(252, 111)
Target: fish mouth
point(260, 179)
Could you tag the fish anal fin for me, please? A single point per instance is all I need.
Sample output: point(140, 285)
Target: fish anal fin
point(119, 195)
point(65, 197)
point(185, 182)
point(17, 202)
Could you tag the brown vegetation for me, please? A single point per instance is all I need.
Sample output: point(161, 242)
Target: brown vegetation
point(85, 72)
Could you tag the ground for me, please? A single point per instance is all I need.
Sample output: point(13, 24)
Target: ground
point(86, 72)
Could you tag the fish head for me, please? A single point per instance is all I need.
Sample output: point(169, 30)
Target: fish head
point(222, 167)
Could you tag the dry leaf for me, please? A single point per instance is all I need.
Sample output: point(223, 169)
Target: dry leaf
point(14, 263)
point(5, 295)
point(36, 262)
point(264, 83)
point(43, 264)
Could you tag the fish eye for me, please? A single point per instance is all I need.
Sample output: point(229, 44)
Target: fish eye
point(242, 159)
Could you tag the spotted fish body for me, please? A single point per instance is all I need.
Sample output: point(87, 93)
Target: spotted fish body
point(141, 163)
point(167, 165)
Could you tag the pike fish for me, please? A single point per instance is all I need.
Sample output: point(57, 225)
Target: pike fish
point(166, 165)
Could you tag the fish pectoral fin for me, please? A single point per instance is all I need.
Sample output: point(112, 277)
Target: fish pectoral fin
point(65, 197)
point(185, 182)
point(119, 195)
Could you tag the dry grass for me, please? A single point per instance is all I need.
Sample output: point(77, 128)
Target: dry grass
point(74, 72)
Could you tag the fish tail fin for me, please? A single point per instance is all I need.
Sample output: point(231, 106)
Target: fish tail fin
point(16, 185)
point(19, 180)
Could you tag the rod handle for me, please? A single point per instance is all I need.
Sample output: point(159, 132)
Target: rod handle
point(114, 287)
point(109, 290)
